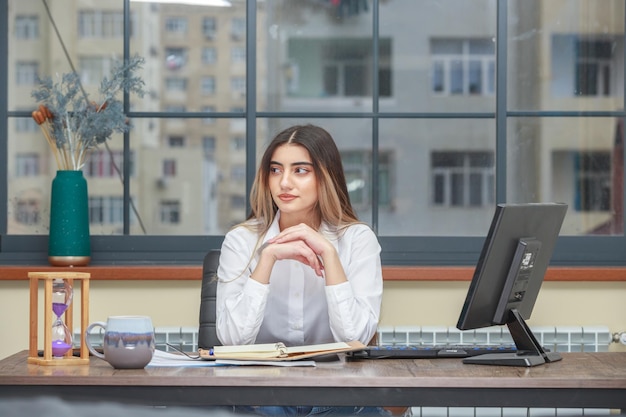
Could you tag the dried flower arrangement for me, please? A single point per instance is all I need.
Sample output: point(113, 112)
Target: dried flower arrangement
point(72, 124)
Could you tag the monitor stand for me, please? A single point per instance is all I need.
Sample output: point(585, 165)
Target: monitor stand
point(529, 350)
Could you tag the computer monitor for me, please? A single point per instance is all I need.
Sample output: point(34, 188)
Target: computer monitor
point(508, 276)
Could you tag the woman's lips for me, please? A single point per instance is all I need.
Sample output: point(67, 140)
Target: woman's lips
point(287, 197)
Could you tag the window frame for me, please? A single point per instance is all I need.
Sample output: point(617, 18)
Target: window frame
point(396, 250)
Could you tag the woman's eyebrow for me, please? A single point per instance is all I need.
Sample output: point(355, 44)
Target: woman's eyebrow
point(295, 163)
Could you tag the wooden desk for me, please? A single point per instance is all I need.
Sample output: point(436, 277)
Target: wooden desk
point(580, 380)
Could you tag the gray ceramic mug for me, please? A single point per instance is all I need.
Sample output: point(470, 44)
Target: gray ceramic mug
point(128, 341)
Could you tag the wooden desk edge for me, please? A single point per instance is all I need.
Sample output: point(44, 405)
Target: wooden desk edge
point(390, 273)
point(99, 373)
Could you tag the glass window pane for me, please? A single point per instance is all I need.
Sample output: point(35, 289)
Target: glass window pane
point(319, 62)
point(560, 62)
point(554, 159)
point(475, 77)
point(457, 74)
point(205, 45)
point(432, 44)
point(441, 177)
point(196, 172)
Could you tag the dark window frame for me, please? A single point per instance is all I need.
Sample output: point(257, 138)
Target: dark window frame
point(396, 250)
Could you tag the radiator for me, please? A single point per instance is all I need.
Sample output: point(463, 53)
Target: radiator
point(555, 338)
point(558, 339)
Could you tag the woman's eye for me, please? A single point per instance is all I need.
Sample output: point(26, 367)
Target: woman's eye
point(274, 170)
point(301, 170)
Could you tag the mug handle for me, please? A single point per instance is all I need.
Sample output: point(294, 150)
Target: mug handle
point(87, 331)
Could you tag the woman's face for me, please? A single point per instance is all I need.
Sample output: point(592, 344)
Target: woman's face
point(292, 181)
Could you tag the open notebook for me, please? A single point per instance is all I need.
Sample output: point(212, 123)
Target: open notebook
point(278, 351)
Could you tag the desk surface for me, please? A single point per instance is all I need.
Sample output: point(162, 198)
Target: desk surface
point(580, 380)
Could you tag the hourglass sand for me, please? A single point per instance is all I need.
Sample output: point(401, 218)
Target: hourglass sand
point(58, 295)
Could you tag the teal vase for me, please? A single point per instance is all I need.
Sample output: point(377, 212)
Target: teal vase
point(69, 242)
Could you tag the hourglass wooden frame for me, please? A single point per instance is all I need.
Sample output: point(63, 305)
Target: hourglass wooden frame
point(48, 277)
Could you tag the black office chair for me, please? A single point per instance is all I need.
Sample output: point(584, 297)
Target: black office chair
point(207, 334)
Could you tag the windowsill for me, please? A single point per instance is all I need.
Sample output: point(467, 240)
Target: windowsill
point(390, 273)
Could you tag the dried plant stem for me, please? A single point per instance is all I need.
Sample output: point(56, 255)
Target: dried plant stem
point(46, 129)
point(70, 141)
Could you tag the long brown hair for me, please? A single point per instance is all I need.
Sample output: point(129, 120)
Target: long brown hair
point(333, 205)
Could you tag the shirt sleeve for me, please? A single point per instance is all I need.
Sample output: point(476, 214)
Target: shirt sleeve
point(240, 300)
point(354, 306)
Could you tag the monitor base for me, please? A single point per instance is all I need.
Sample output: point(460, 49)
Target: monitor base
point(513, 359)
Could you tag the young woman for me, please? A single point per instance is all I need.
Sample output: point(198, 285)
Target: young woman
point(302, 269)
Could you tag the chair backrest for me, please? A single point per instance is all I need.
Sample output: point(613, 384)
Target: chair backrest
point(207, 334)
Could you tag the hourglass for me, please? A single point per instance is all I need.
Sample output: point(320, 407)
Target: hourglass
point(58, 340)
point(62, 293)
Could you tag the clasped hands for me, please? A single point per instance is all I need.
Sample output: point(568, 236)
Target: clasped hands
point(300, 243)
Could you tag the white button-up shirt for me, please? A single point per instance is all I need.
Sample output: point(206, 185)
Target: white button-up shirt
point(296, 307)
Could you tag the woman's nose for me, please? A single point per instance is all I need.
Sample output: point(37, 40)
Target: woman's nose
point(285, 180)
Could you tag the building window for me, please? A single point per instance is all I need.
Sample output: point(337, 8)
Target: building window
point(26, 27)
point(463, 66)
point(462, 179)
point(209, 55)
point(208, 146)
point(358, 170)
point(238, 173)
point(176, 25)
point(94, 68)
point(170, 212)
point(238, 54)
point(169, 168)
point(209, 27)
point(208, 85)
point(175, 58)
point(593, 181)
point(238, 86)
point(25, 125)
point(26, 73)
point(176, 84)
point(593, 67)
point(238, 28)
point(584, 66)
point(345, 78)
point(106, 210)
point(104, 164)
point(27, 164)
point(344, 68)
point(176, 141)
point(101, 24)
point(27, 211)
